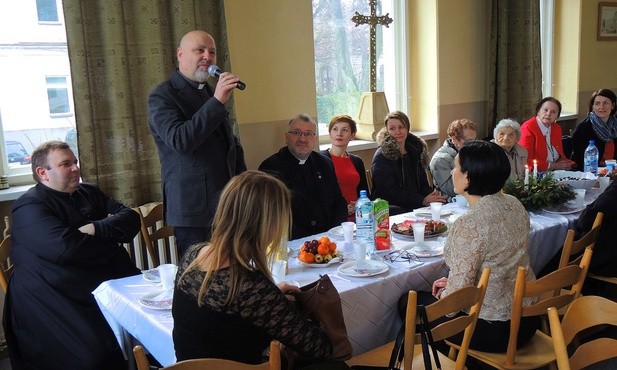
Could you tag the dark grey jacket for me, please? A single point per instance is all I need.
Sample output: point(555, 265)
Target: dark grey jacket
point(197, 149)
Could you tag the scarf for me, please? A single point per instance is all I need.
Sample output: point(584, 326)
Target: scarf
point(605, 131)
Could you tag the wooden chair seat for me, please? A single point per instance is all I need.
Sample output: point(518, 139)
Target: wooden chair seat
point(213, 363)
point(381, 355)
point(536, 353)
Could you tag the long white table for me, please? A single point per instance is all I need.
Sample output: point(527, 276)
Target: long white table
point(369, 304)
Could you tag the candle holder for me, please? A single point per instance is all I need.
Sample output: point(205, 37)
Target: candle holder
point(541, 192)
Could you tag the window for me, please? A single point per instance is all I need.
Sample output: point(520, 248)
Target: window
point(36, 102)
point(47, 10)
point(58, 95)
point(547, 17)
point(342, 57)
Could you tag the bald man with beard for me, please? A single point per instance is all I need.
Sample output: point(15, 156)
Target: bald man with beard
point(198, 151)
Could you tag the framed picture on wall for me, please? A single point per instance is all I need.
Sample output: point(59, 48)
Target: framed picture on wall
point(607, 21)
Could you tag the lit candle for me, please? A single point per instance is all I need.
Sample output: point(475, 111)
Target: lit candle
point(526, 175)
point(535, 169)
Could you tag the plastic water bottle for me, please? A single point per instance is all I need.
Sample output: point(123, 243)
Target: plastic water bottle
point(591, 158)
point(365, 221)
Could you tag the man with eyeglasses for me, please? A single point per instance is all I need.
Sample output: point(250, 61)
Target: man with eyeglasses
point(66, 239)
point(317, 204)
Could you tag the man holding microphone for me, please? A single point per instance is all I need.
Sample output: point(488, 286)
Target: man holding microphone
point(198, 151)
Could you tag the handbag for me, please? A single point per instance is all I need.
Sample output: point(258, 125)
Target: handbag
point(321, 302)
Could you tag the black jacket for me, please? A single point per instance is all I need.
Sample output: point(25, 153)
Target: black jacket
point(316, 207)
point(580, 140)
point(199, 153)
point(388, 169)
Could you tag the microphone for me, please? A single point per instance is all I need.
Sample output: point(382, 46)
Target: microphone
point(216, 71)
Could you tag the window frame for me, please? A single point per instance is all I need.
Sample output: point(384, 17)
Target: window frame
point(397, 95)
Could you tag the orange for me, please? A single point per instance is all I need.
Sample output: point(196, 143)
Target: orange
point(302, 256)
point(324, 240)
point(309, 258)
point(332, 247)
point(323, 249)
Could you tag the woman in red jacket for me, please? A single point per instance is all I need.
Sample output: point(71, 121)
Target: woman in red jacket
point(541, 136)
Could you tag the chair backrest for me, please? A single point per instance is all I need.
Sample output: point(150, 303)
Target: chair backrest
point(7, 227)
point(572, 247)
point(584, 313)
point(6, 267)
point(568, 280)
point(369, 181)
point(274, 362)
point(158, 237)
point(468, 298)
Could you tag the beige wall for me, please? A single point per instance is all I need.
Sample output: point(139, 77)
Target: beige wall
point(271, 49)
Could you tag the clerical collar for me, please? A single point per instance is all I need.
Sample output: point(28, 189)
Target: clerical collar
point(196, 85)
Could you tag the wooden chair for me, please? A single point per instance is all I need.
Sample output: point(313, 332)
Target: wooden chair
point(584, 313)
point(369, 181)
point(538, 352)
point(158, 237)
point(6, 267)
point(213, 363)
point(466, 298)
point(573, 247)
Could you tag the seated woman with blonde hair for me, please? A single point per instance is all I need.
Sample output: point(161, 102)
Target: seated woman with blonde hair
point(506, 134)
point(226, 304)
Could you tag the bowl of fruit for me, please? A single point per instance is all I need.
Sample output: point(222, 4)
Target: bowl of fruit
point(576, 179)
point(319, 253)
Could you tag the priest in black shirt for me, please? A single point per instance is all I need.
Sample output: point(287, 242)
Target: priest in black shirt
point(65, 242)
point(317, 204)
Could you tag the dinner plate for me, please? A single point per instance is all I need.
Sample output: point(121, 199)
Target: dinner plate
point(337, 232)
point(408, 235)
point(320, 265)
point(426, 212)
point(372, 268)
point(426, 249)
point(151, 275)
point(563, 210)
point(153, 300)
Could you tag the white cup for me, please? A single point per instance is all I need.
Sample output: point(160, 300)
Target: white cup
point(359, 251)
point(604, 181)
point(348, 231)
point(167, 272)
point(279, 267)
point(460, 201)
point(436, 210)
point(418, 231)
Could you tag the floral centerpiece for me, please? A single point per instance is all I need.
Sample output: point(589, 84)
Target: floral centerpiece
point(540, 192)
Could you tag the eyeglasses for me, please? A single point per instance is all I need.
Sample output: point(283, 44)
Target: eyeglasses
point(401, 256)
point(298, 133)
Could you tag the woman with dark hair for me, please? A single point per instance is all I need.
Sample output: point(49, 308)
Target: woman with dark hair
point(541, 136)
point(599, 126)
point(399, 167)
point(349, 168)
point(492, 234)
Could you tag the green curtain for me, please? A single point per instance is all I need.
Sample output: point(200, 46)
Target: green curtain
point(119, 51)
point(515, 70)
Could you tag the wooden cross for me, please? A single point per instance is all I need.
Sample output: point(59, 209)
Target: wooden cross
point(372, 20)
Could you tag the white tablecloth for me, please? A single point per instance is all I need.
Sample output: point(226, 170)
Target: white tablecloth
point(369, 304)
